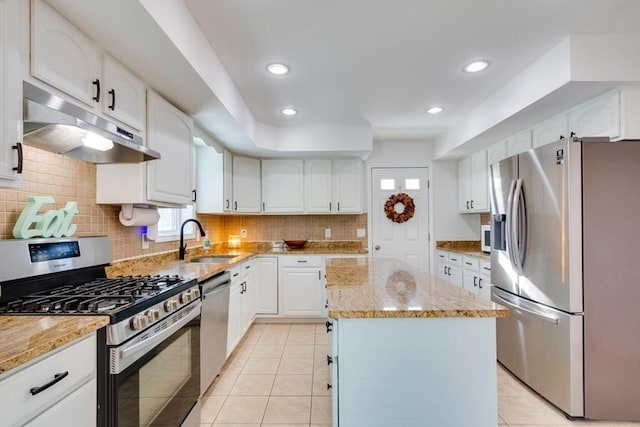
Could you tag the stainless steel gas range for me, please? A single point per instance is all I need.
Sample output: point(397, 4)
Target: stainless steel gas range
point(148, 355)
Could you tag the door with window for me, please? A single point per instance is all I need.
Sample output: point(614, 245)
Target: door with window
point(406, 234)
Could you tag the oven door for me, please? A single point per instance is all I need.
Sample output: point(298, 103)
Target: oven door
point(155, 381)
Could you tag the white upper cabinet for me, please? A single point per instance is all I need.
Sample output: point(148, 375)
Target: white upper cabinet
point(473, 183)
point(598, 117)
point(519, 143)
point(246, 184)
point(227, 178)
point(283, 185)
point(63, 57)
point(333, 186)
point(551, 130)
point(318, 186)
point(213, 180)
point(496, 152)
point(209, 176)
point(170, 132)
point(347, 186)
point(125, 94)
point(10, 95)
point(168, 181)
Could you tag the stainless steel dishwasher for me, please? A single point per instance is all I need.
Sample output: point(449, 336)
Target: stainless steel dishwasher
point(213, 327)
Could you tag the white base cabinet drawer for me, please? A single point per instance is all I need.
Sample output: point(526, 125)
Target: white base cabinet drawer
point(75, 364)
point(301, 261)
point(76, 410)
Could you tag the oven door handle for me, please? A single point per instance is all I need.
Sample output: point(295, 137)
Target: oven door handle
point(150, 343)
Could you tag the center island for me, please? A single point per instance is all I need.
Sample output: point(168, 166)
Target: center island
point(408, 349)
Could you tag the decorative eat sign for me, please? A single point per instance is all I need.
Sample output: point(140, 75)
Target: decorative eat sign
point(53, 223)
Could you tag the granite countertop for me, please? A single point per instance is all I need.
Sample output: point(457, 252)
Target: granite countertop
point(464, 247)
point(387, 287)
point(169, 264)
point(477, 254)
point(26, 337)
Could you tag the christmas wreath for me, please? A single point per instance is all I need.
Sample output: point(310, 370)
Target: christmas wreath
point(408, 208)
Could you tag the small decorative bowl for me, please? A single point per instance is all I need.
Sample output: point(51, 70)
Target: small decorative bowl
point(295, 244)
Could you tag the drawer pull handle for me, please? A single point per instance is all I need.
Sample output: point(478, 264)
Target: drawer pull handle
point(302, 260)
point(468, 263)
point(329, 326)
point(56, 379)
point(329, 386)
point(329, 360)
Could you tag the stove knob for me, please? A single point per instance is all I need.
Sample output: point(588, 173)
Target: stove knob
point(195, 292)
point(171, 305)
point(153, 314)
point(139, 321)
point(186, 297)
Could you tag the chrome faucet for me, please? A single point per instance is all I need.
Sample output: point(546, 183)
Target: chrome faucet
point(183, 246)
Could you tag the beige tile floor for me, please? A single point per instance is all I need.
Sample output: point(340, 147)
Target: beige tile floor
point(277, 376)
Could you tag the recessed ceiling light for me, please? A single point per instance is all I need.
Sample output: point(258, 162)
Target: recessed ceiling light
point(475, 66)
point(289, 111)
point(277, 69)
point(435, 109)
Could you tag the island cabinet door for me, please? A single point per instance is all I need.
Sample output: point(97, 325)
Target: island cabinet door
point(415, 372)
point(332, 360)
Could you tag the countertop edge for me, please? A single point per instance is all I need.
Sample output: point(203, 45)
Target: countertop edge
point(411, 314)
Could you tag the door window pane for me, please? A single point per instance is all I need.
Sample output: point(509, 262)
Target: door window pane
point(412, 184)
point(387, 184)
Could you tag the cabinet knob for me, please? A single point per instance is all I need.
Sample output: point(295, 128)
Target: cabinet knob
point(329, 360)
point(329, 386)
point(376, 247)
point(329, 326)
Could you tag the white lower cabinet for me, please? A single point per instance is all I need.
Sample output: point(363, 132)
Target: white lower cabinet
point(445, 364)
point(450, 267)
point(78, 409)
point(57, 390)
point(301, 286)
point(468, 272)
point(243, 297)
point(267, 268)
point(234, 328)
point(250, 294)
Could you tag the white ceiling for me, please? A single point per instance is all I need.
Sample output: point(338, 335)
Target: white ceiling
point(384, 62)
point(377, 63)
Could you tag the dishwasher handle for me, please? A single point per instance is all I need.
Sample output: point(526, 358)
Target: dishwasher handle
point(215, 282)
point(216, 289)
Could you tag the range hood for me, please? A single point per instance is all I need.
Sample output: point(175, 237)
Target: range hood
point(54, 124)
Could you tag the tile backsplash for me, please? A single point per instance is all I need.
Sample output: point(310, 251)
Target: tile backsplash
point(67, 179)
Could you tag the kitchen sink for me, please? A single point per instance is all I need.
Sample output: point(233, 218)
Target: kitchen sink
point(216, 259)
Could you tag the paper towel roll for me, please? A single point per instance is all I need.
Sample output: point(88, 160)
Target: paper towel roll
point(139, 216)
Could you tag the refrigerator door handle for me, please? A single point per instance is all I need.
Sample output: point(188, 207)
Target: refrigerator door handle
point(518, 229)
point(510, 221)
point(542, 316)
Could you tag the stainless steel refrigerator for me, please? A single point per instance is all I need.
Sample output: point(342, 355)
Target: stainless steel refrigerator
point(565, 259)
